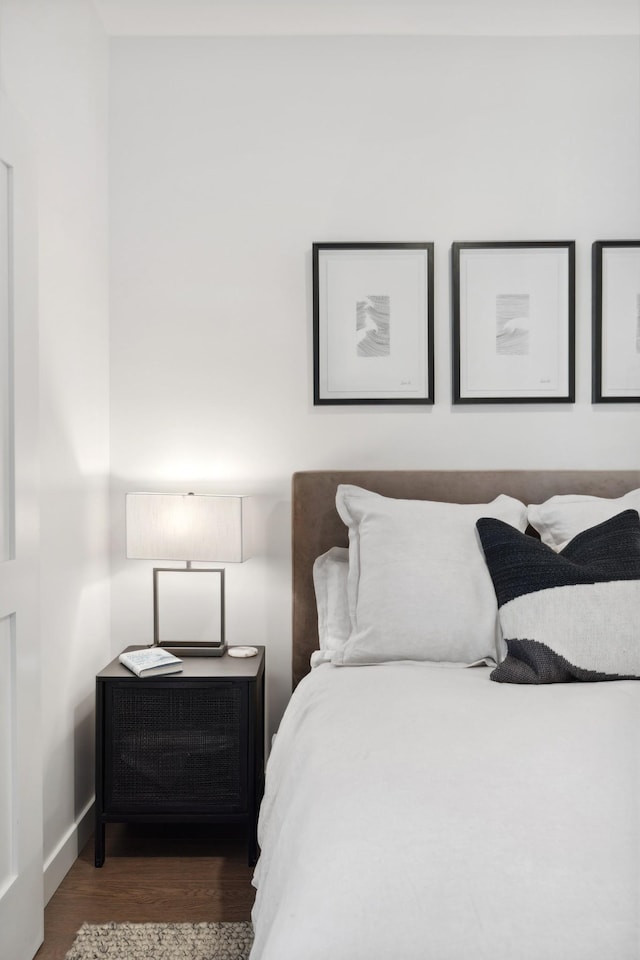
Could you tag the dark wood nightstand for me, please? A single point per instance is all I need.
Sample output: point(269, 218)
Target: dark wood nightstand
point(182, 748)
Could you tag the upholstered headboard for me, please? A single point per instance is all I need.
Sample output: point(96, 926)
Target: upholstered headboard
point(316, 525)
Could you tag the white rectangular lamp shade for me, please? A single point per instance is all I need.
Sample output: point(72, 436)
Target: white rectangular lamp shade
point(191, 527)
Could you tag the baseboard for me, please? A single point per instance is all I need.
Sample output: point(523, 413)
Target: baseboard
point(66, 853)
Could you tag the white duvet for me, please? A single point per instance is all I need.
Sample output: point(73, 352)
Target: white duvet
point(424, 813)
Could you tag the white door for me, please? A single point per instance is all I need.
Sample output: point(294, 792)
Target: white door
point(21, 879)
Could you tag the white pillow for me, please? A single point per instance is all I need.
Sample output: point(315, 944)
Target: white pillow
point(559, 519)
point(419, 588)
point(330, 581)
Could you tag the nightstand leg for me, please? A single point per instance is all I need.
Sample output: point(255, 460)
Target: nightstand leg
point(99, 842)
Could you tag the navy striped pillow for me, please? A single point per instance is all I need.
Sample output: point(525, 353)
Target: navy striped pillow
point(572, 615)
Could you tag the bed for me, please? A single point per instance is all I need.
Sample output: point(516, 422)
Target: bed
point(414, 807)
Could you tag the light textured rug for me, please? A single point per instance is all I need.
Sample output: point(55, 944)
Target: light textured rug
point(162, 941)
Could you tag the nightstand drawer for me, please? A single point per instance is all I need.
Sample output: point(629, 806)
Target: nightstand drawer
point(176, 747)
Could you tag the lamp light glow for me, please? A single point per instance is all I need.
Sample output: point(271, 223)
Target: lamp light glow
point(194, 528)
point(190, 527)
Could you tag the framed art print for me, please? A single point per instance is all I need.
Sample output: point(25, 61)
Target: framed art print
point(513, 322)
point(616, 321)
point(372, 323)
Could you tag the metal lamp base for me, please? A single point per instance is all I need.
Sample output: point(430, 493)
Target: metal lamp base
point(199, 650)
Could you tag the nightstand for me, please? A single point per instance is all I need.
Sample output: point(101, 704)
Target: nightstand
point(181, 748)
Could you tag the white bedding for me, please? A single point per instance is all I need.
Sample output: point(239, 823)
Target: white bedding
point(424, 813)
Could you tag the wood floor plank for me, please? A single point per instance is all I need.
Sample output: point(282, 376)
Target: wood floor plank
point(152, 874)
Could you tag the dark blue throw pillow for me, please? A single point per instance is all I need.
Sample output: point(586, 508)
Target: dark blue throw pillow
point(573, 615)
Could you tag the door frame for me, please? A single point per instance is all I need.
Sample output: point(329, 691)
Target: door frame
point(21, 866)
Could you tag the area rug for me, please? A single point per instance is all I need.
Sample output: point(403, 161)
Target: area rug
point(162, 941)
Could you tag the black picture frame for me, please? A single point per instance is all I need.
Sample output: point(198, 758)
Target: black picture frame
point(373, 346)
point(615, 278)
point(499, 291)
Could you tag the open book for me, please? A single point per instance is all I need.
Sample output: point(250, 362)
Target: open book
point(150, 662)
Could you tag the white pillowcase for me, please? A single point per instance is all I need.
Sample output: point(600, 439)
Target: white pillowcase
point(559, 519)
point(418, 585)
point(330, 581)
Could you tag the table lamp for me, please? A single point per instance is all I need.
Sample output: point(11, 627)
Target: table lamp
point(188, 604)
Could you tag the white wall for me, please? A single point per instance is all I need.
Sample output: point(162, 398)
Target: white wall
point(54, 63)
point(229, 157)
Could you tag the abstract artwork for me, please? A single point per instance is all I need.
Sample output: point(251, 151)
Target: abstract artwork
point(512, 324)
point(373, 320)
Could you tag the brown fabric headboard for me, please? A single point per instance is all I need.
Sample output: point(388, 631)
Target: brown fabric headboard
point(316, 525)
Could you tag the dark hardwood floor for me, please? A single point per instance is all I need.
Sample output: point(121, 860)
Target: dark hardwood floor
point(152, 874)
